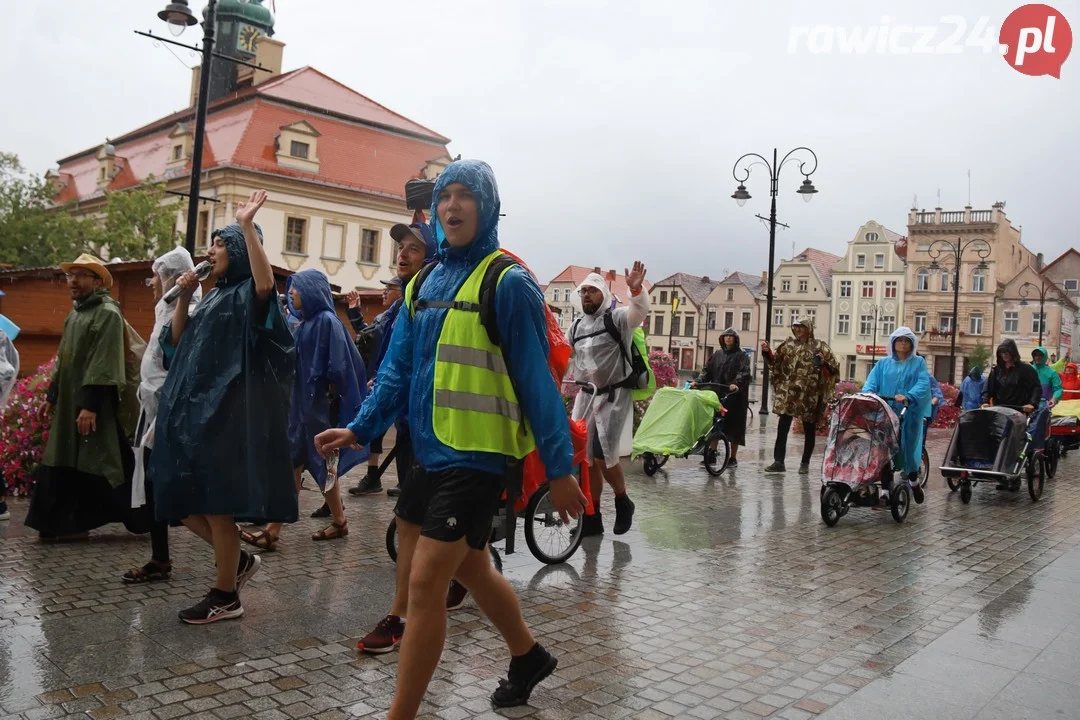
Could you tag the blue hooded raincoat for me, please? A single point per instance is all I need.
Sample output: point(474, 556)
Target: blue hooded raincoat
point(325, 356)
point(892, 376)
point(221, 439)
point(406, 378)
point(972, 388)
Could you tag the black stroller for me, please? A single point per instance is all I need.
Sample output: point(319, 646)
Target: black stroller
point(991, 444)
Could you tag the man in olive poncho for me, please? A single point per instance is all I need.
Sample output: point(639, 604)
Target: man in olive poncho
point(84, 480)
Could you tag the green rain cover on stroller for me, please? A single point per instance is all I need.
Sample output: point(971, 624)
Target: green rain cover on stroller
point(675, 420)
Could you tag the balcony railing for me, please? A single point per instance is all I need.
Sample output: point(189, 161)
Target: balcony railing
point(953, 217)
point(981, 216)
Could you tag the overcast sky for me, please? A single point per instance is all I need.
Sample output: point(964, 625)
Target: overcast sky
point(613, 126)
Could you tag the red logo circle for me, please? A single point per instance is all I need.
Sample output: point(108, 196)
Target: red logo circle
point(1036, 40)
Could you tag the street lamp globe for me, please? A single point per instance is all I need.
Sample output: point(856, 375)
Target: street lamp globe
point(741, 195)
point(807, 190)
point(178, 16)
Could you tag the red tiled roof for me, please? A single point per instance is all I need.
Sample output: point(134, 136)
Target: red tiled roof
point(362, 145)
point(576, 274)
point(822, 262)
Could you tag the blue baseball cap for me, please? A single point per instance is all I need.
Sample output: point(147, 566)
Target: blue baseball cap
point(421, 231)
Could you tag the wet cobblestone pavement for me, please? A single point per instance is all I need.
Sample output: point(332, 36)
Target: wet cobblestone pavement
point(728, 598)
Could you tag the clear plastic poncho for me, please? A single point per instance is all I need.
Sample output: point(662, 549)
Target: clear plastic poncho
point(9, 367)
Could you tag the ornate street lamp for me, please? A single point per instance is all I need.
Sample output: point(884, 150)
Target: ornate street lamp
point(1041, 290)
point(955, 252)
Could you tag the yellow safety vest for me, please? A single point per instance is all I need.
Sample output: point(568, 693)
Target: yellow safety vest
point(476, 408)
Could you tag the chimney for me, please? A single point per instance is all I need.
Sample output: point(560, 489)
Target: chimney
point(611, 277)
point(268, 53)
point(706, 279)
point(764, 276)
point(596, 269)
point(1039, 262)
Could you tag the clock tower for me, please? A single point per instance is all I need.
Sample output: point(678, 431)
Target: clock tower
point(240, 23)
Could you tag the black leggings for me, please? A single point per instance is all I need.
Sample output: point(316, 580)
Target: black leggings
point(809, 437)
point(159, 529)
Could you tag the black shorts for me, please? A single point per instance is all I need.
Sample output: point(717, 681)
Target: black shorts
point(451, 504)
point(375, 446)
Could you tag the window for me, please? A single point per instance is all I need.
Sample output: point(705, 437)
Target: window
point(712, 319)
point(794, 315)
point(888, 324)
point(731, 294)
point(804, 285)
point(868, 288)
point(944, 282)
point(778, 317)
point(922, 280)
point(811, 313)
point(674, 324)
point(975, 324)
point(866, 325)
point(845, 288)
point(851, 369)
point(890, 288)
point(658, 328)
point(843, 324)
point(102, 175)
point(202, 230)
point(663, 297)
point(295, 231)
point(333, 241)
point(879, 260)
point(299, 149)
point(177, 152)
point(945, 323)
point(369, 246)
point(729, 320)
point(920, 322)
point(1038, 322)
point(871, 237)
point(978, 281)
point(747, 318)
point(1012, 321)
point(785, 286)
point(1072, 286)
point(688, 326)
point(860, 261)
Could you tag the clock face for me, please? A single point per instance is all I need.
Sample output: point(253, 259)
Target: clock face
point(247, 38)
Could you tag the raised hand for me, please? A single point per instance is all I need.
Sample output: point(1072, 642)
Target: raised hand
point(245, 213)
point(636, 276)
point(353, 298)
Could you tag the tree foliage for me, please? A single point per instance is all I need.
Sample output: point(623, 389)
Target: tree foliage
point(135, 224)
point(980, 355)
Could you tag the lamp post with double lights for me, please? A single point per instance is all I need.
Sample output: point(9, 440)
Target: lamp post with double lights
point(179, 17)
point(954, 252)
point(741, 195)
point(877, 312)
point(1042, 289)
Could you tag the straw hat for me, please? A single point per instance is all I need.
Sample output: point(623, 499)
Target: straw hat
point(90, 264)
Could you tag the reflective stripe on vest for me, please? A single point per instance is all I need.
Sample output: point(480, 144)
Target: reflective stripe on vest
point(475, 406)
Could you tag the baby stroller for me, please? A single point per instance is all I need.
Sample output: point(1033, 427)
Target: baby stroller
point(1064, 432)
point(864, 437)
point(991, 444)
point(683, 423)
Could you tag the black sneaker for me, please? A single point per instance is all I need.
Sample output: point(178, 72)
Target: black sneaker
point(4, 513)
point(732, 463)
point(455, 595)
point(916, 489)
point(370, 485)
point(249, 565)
point(394, 491)
point(592, 525)
point(323, 512)
point(775, 467)
point(804, 468)
point(624, 514)
point(217, 605)
point(526, 672)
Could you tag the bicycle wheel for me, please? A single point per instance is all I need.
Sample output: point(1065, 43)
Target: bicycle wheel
point(391, 540)
point(650, 463)
point(1053, 455)
point(550, 540)
point(1036, 471)
point(924, 469)
point(716, 460)
point(749, 414)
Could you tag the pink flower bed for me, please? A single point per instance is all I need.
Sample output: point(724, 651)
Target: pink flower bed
point(22, 433)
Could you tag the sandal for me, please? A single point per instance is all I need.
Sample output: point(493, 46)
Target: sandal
point(150, 572)
point(260, 539)
point(333, 531)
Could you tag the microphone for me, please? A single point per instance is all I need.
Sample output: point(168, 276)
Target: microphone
point(202, 271)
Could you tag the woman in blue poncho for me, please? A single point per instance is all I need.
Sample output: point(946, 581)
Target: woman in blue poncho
point(221, 451)
point(903, 377)
point(971, 390)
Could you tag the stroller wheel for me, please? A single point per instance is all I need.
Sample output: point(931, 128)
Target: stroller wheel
point(650, 464)
point(924, 469)
point(1036, 471)
point(716, 460)
point(965, 491)
point(831, 506)
point(954, 483)
point(900, 502)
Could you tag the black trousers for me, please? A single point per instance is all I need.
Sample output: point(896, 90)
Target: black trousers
point(809, 438)
point(159, 529)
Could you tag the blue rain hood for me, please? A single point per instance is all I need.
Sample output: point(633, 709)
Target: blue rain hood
point(325, 356)
point(406, 379)
point(892, 376)
point(239, 263)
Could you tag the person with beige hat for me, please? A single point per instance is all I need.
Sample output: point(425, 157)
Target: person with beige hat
point(84, 480)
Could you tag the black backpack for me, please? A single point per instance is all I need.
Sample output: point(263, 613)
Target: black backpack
point(486, 307)
point(639, 366)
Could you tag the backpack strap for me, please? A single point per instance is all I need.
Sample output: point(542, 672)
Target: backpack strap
point(414, 296)
point(488, 288)
point(616, 335)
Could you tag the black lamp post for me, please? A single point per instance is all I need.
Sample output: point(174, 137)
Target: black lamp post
point(955, 252)
point(179, 17)
point(1044, 287)
point(876, 312)
point(807, 190)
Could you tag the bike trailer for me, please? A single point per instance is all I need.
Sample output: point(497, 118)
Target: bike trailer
point(675, 420)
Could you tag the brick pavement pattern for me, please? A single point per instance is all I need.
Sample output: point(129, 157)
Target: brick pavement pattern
point(729, 598)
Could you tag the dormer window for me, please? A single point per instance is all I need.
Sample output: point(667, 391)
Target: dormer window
point(298, 146)
point(871, 237)
point(180, 150)
point(106, 157)
point(177, 152)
